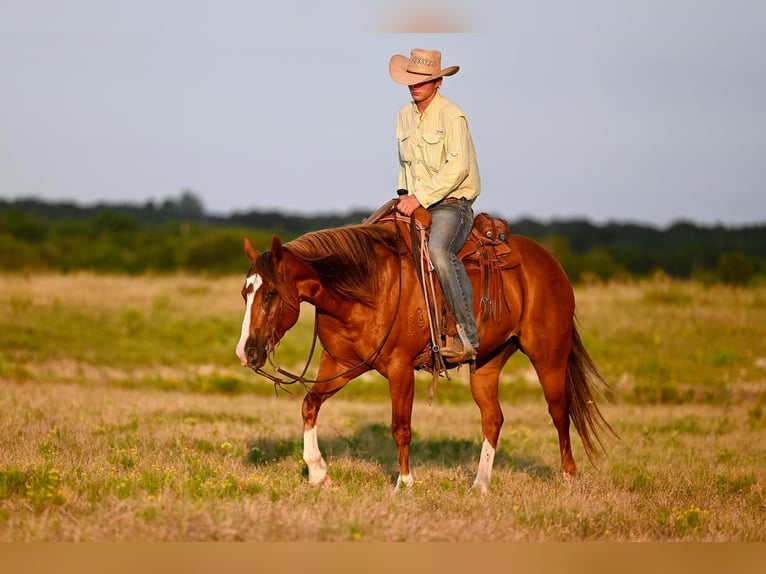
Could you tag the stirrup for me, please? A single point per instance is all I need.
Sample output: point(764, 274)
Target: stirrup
point(461, 349)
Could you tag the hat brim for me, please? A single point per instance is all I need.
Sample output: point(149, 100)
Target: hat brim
point(397, 68)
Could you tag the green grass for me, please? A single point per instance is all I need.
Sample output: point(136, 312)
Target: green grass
point(656, 342)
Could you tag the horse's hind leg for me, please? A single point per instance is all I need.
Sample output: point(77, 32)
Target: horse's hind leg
point(552, 375)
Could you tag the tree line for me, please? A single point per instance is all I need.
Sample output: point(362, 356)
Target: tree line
point(177, 234)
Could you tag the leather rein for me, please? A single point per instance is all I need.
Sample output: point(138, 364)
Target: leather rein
point(280, 383)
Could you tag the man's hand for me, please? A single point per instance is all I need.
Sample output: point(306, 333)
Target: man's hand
point(407, 205)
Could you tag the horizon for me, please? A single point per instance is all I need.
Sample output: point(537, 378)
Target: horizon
point(156, 202)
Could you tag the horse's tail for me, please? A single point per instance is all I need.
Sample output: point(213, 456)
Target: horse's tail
point(583, 380)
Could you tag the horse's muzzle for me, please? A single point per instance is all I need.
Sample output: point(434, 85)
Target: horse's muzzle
point(255, 357)
point(255, 351)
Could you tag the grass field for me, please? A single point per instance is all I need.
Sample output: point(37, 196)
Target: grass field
point(127, 418)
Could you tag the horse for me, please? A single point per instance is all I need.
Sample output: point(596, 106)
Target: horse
point(371, 315)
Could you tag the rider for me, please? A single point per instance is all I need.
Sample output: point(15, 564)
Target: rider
point(438, 169)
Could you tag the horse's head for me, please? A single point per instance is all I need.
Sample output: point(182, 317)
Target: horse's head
point(270, 308)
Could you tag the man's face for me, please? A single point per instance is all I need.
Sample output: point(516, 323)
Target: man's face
point(424, 93)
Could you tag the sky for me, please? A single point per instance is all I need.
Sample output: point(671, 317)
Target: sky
point(648, 111)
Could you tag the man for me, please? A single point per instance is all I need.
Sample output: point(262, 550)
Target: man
point(438, 168)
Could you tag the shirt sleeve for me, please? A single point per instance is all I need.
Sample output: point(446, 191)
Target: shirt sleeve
point(455, 168)
point(402, 181)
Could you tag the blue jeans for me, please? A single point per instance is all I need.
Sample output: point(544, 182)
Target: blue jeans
point(451, 223)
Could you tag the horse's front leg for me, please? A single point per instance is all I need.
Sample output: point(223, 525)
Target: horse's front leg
point(312, 456)
point(312, 402)
point(401, 384)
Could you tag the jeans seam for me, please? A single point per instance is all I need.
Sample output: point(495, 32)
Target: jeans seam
point(460, 274)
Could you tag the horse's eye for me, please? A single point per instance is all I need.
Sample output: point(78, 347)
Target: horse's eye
point(270, 294)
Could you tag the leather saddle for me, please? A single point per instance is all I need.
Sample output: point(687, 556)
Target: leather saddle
point(487, 252)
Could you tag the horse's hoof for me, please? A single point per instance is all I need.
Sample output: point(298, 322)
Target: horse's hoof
point(480, 487)
point(319, 482)
point(404, 483)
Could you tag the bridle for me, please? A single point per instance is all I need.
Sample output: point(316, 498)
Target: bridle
point(279, 383)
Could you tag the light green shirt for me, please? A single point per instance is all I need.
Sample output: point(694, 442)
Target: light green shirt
point(437, 158)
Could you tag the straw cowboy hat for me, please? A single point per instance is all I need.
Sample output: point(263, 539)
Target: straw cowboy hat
point(421, 66)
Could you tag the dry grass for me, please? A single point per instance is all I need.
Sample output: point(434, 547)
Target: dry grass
point(105, 464)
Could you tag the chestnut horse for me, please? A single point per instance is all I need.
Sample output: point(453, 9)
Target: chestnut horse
point(370, 315)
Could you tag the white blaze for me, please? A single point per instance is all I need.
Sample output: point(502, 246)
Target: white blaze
point(253, 283)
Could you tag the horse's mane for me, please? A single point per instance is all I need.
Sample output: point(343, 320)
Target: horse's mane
point(345, 258)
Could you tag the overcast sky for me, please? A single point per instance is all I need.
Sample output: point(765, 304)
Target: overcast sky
point(648, 111)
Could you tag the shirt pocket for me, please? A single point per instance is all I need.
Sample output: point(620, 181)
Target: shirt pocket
point(432, 148)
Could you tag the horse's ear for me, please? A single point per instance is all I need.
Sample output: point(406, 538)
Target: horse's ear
point(250, 251)
point(276, 249)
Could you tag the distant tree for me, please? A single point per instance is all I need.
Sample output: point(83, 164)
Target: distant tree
point(219, 251)
point(187, 206)
point(176, 233)
point(190, 204)
point(735, 268)
point(24, 226)
point(600, 263)
point(110, 222)
point(15, 255)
